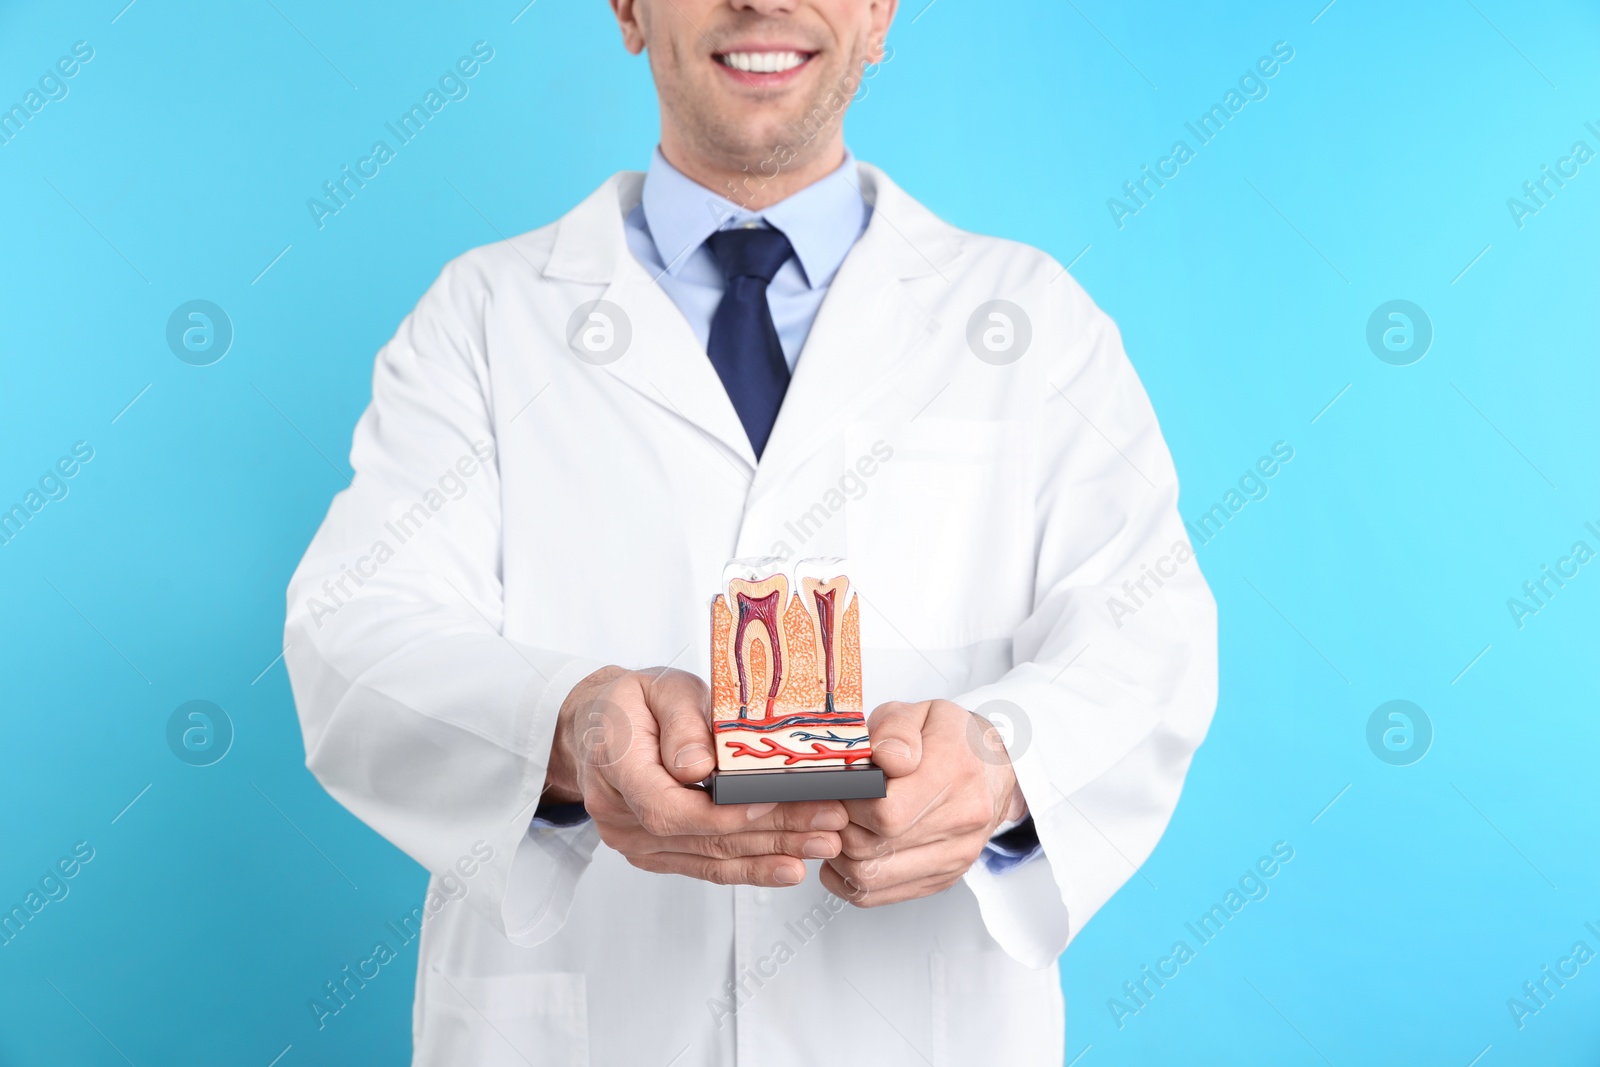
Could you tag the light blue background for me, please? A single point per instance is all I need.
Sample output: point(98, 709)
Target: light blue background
point(1378, 567)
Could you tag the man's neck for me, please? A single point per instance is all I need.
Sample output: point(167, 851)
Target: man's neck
point(753, 186)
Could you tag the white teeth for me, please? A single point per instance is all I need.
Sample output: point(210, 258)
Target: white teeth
point(762, 62)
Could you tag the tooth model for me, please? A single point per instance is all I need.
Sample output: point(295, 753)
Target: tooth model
point(786, 685)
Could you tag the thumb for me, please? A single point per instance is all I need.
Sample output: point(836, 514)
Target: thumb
point(895, 730)
point(679, 702)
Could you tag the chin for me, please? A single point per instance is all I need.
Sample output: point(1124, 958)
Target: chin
point(797, 128)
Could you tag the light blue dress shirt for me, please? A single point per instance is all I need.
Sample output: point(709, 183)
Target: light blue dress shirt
point(667, 234)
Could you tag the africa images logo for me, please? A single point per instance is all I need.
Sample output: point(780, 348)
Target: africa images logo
point(452, 86)
point(1252, 86)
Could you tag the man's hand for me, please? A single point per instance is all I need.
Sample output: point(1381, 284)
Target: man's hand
point(628, 742)
point(950, 785)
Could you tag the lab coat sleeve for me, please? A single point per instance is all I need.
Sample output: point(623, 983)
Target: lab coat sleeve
point(1112, 686)
point(418, 715)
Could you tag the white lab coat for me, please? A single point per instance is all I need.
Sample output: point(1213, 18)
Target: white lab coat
point(1016, 501)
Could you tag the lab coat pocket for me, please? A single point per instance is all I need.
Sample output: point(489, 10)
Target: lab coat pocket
point(940, 540)
point(504, 1019)
point(1028, 1031)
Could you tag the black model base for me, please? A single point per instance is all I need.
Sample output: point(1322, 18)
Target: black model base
point(817, 783)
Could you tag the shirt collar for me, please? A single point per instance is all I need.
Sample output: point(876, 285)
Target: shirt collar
point(822, 221)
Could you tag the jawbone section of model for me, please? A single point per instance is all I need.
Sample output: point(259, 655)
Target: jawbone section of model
point(786, 667)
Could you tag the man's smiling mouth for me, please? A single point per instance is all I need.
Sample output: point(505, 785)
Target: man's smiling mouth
point(763, 62)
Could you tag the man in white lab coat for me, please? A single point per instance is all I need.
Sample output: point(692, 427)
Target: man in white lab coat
point(759, 348)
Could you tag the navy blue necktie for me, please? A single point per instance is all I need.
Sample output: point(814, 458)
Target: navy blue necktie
point(744, 345)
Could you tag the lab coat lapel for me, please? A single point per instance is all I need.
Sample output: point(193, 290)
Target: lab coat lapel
point(664, 361)
point(869, 331)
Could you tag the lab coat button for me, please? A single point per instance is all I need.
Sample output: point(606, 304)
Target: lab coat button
point(763, 896)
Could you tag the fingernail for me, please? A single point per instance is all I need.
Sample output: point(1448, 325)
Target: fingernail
point(689, 755)
point(895, 747)
point(818, 848)
point(787, 875)
point(829, 820)
point(755, 811)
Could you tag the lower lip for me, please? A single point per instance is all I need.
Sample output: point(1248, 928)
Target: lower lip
point(763, 80)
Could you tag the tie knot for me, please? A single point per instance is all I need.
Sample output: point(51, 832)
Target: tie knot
point(750, 252)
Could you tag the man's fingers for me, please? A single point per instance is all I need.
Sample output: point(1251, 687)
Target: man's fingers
point(945, 795)
point(815, 844)
point(893, 879)
point(858, 843)
point(775, 871)
point(680, 703)
point(803, 815)
point(910, 810)
point(666, 808)
point(896, 733)
point(900, 866)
